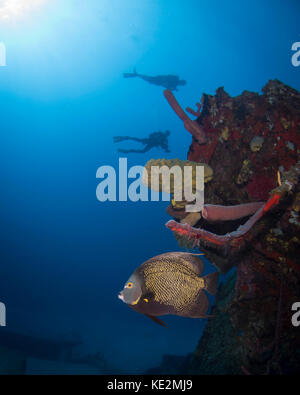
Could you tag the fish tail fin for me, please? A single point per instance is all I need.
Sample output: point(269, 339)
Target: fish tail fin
point(211, 283)
point(199, 308)
point(207, 316)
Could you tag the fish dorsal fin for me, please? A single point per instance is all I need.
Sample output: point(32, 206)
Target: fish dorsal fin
point(157, 320)
point(191, 261)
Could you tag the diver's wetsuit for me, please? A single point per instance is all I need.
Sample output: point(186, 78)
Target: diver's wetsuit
point(167, 81)
point(156, 139)
point(170, 82)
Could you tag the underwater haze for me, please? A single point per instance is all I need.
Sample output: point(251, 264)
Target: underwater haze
point(65, 255)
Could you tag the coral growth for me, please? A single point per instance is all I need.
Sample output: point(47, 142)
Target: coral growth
point(252, 143)
point(191, 126)
point(153, 177)
point(235, 238)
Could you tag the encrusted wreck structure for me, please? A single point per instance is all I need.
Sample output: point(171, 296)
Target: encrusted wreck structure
point(251, 221)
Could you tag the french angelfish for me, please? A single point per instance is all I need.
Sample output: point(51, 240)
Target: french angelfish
point(170, 283)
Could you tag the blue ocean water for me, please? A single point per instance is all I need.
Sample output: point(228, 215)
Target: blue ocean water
point(65, 255)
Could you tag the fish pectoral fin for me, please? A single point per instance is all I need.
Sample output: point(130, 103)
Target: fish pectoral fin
point(157, 320)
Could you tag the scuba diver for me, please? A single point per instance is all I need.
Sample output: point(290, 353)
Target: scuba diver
point(170, 82)
point(156, 139)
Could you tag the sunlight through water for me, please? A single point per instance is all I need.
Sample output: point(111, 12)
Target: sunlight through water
point(17, 9)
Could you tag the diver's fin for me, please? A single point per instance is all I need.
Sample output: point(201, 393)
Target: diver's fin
point(211, 282)
point(157, 320)
point(130, 75)
point(118, 139)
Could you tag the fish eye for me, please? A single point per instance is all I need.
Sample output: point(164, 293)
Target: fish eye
point(129, 285)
